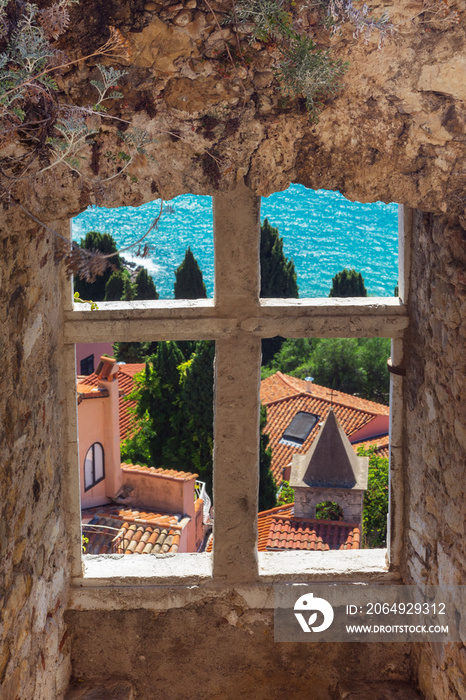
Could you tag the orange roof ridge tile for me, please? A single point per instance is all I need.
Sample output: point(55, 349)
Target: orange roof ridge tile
point(275, 509)
point(159, 472)
point(300, 386)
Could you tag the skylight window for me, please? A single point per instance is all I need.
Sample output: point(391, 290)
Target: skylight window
point(300, 427)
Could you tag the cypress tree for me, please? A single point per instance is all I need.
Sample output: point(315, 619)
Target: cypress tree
point(278, 274)
point(348, 283)
point(267, 485)
point(104, 243)
point(189, 283)
point(278, 279)
point(197, 400)
point(158, 405)
point(115, 287)
point(145, 287)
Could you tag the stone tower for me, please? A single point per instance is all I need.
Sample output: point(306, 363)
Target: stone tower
point(330, 471)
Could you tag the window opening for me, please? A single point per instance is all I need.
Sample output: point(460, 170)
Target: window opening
point(94, 470)
point(186, 224)
point(87, 365)
point(238, 360)
point(154, 418)
point(328, 436)
point(326, 235)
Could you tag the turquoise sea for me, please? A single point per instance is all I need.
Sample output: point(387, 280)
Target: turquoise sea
point(323, 232)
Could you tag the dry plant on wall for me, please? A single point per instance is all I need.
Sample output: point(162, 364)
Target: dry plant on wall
point(38, 131)
point(303, 69)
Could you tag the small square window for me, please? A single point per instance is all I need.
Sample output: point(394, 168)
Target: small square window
point(87, 365)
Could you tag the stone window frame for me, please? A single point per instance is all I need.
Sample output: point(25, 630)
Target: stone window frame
point(237, 319)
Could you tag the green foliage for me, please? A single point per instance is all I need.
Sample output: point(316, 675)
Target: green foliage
point(328, 510)
point(278, 279)
point(285, 494)
point(119, 287)
point(175, 411)
point(158, 400)
point(105, 244)
point(189, 283)
point(335, 364)
point(142, 289)
point(292, 358)
point(375, 511)
point(348, 283)
point(134, 352)
point(278, 274)
point(197, 411)
point(145, 287)
point(267, 485)
point(352, 365)
point(78, 300)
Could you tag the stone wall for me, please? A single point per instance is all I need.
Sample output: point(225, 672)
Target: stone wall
point(220, 649)
point(34, 649)
point(435, 449)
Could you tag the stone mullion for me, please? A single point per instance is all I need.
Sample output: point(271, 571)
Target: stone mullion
point(237, 385)
point(67, 370)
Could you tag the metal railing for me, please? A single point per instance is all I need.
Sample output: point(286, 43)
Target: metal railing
point(200, 491)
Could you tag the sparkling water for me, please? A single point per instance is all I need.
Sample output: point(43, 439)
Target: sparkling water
point(323, 232)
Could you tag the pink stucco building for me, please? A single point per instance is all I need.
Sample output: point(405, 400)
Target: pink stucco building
point(125, 507)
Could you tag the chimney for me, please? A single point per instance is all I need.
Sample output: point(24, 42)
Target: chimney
point(309, 381)
point(107, 372)
point(107, 369)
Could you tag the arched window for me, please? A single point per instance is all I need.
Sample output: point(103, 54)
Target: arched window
point(94, 470)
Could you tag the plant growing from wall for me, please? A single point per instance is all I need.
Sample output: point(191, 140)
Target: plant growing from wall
point(38, 132)
point(302, 68)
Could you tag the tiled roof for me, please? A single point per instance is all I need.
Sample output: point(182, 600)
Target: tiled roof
point(279, 386)
point(279, 530)
point(381, 444)
point(129, 531)
point(89, 392)
point(264, 520)
point(287, 532)
point(282, 411)
point(125, 387)
point(159, 472)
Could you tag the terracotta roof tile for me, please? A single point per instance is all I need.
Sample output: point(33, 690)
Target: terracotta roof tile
point(158, 472)
point(352, 412)
point(288, 532)
point(279, 530)
point(264, 520)
point(381, 445)
point(126, 385)
point(279, 386)
point(114, 530)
